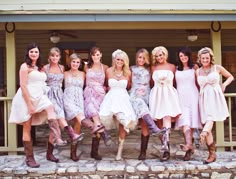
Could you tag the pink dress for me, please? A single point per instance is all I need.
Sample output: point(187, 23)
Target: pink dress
point(212, 102)
point(163, 100)
point(94, 92)
point(188, 97)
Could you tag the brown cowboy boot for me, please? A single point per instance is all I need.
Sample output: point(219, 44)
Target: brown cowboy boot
point(94, 151)
point(212, 153)
point(74, 138)
point(90, 125)
point(144, 144)
point(73, 151)
point(50, 155)
point(30, 161)
point(188, 148)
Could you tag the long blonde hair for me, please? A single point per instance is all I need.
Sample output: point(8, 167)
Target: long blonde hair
point(146, 55)
point(204, 51)
point(157, 49)
point(121, 54)
point(53, 51)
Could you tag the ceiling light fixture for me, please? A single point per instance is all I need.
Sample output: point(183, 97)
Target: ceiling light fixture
point(192, 35)
point(55, 39)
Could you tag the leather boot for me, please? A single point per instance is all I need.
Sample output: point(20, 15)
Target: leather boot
point(90, 125)
point(74, 138)
point(73, 151)
point(107, 138)
point(144, 144)
point(155, 131)
point(55, 132)
point(212, 153)
point(165, 148)
point(120, 149)
point(50, 155)
point(188, 140)
point(94, 151)
point(30, 161)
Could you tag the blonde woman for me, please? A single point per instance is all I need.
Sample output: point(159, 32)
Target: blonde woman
point(116, 109)
point(163, 101)
point(212, 102)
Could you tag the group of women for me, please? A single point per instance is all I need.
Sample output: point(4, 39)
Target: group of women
point(100, 98)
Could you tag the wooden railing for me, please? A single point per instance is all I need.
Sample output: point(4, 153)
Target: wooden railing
point(225, 137)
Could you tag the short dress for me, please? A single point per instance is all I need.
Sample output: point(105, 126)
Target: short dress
point(73, 97)
point(94, 92)
point(212, 103)
point(117, 101)
point(55, 93)
point(139, 93)
point(188, 97)
point(163, 100)
point(38, 94)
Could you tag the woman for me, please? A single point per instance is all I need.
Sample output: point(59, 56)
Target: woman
point(139, 96)
point(163, 101)
point(54, 81)
point(31, 102)
point(116, 102)
point(74, 101)
point(95, 91)
point(212, 102)
point(188, 97)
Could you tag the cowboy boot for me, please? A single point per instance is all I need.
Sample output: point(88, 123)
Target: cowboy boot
point(165, 147)
point(73, 151)
point(144, 144)
point(50, 155)
point(155, 131)
point(188, 148)
point(74, 138)
point(90, 125)
point(94, 151)
point(30, 161)
point(107, 138)
point(55, 132)
point(120, 149)
point(212, 153)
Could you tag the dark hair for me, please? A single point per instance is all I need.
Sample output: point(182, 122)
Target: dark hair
point(93, 50)
point(27, 58)
point(186, 51)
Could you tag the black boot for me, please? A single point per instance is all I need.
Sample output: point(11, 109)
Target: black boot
point(30, 161)
point(50, 155)
point(144, 144)
point(94, 151)
point(151, 125)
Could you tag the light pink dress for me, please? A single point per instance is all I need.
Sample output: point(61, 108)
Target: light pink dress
point(188, 97)
point(163, 100)
point(212, 102)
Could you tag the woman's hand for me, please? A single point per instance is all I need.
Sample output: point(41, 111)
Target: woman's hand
point(31, 109)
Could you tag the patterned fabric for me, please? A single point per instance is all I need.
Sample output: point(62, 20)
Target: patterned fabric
point(139, 93)
point(37, 90)
point(163, 100)
point(212, 102)
point(188, 97)
point(55, 93)
point(73, 97)
point(94, 92)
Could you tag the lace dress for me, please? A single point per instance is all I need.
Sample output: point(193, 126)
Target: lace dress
point(94, 92)
point(212, 103)
point(55, 93)
point(188, 97)
point(37, 90)
point(139, 93)
point(73, 97)
point(117, 103)
point(163, 100)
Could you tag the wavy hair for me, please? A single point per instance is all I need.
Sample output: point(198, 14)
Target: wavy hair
point(53, 51)
point(93, 50)
point(28, 61)
point(76, 56)
point(122, 55)
point(187, 52)
point(146, 55)
point(157, 49)
point(205, 50)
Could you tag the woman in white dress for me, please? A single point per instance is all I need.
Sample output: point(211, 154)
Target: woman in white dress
point(163, 101)
point(31, 106)
point(116, 109)
point(212, 102)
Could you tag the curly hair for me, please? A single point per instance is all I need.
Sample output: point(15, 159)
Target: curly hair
point(206, 50)
point(122, 55)
point(157, 49)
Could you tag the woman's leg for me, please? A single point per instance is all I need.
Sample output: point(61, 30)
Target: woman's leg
point(73, 149)
point(206, 130)
point(166, 138)
point(188, 147)
point(28, 145)
point(122, 135)
point(211, 148)
point(144, 140)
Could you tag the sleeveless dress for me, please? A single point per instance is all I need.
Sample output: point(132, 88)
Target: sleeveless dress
point(73, 97)
point(117, 101)
point(94, 92)
point(188, 97)
point(139, 93)
point(212, 103)
point(55, 93)
point(37, 90)
point(163, 100)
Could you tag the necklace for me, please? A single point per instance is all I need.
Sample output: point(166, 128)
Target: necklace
point(206, 71)
point(118, 74)
point(73, 74)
